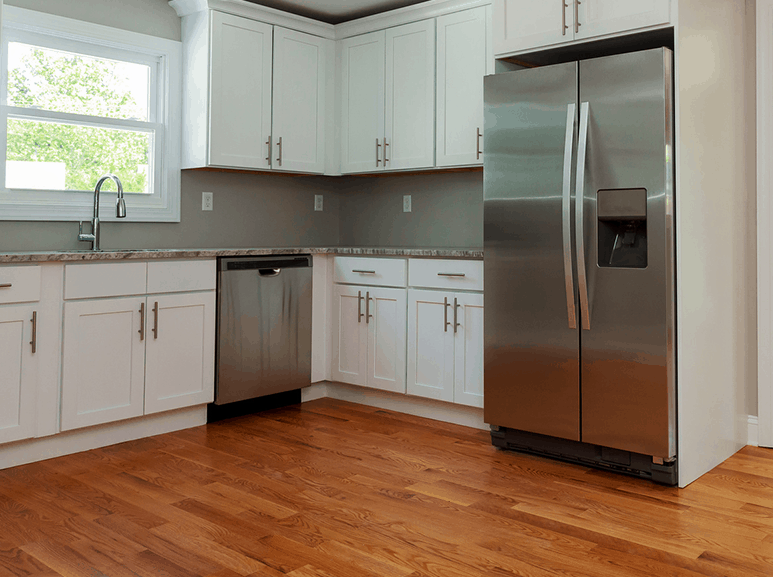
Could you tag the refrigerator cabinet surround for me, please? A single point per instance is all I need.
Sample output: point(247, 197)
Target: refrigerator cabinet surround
point(579, 259)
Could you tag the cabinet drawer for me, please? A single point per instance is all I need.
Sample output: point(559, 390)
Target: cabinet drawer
point(446, 274)
point(83, 281)
point(370, 271)
point(181, 275)
point(24, 284)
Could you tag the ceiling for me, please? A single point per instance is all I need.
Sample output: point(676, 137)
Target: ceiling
point(335, 11)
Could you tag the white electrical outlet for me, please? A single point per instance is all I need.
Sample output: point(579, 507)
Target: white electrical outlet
point(207, 200)
point(406, 203)
point(318, 202)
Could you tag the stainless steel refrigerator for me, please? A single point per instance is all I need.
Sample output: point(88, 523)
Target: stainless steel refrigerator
point(579, 262)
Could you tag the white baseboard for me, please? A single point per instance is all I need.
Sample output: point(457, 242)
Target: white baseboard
point(418, 406)
point(754, 435)
point(69, 442)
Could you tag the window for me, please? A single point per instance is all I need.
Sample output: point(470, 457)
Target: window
point(81, 100)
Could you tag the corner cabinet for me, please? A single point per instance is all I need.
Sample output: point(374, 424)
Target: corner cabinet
point(524, 25)
point(388, 99)
point(255, 95)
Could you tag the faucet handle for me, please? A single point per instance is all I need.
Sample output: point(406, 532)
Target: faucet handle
point(82, 236)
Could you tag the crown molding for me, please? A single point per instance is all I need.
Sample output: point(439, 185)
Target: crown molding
point(256, 12)
point(422, 11)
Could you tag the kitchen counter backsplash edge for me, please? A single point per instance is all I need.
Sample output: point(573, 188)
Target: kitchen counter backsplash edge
point(79, 256)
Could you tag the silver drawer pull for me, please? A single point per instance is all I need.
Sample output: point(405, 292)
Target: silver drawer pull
point(458, 274)
point(365, 271)
point(6, 285)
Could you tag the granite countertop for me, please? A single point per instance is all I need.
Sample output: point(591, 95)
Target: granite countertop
point(148, 254)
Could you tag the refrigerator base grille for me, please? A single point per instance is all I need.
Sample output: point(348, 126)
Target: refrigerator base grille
point(596, 456)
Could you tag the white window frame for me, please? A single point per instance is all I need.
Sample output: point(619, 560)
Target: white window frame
point(165, 56)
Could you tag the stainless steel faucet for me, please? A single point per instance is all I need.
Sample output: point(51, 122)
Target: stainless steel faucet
point(120, 212)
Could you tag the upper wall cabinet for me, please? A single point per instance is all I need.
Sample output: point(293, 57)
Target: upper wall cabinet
point(388, 99)
point(255, 95)
point(521, 25)
point(462, 62)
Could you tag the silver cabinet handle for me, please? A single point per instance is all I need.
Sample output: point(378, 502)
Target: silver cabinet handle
point(566, 214)
point(6, 285)
point(577, 16)
point(142, 322)
point(279, 146)
point(456, 274)
point(478, 151)
point(34, 341)
point(456, 307)
point(368, 316)
point(445, 315)
point(564, 27)
point(364, 271)
point(268, 143)
point(378, 150)
point(359, 307)
point(386, 144)
point(582, 147)
point(155, 320)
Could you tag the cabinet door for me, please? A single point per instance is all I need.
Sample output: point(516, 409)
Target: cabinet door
point(18, 374)
point(461, 66)
point(362, 103)
point(431, 344)
point(240, 92)
point(468, 346)
point(598, 17)
point(180, 351)
point(410, 96)
point(103, 364)
point(385, 315)
point(299, 101)
point(523, 24)
point(350, 335)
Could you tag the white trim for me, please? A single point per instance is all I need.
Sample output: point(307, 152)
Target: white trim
point(164, 204)
point(764, 17)
point(753, 434)
point(410, 405)
point(14, 454)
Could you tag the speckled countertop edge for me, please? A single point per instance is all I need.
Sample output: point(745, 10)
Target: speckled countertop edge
point(152, 254)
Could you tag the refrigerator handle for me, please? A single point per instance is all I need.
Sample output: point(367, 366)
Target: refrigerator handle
point(566, 210)
point(582, 147)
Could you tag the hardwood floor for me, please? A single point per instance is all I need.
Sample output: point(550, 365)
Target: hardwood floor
point(333, 489)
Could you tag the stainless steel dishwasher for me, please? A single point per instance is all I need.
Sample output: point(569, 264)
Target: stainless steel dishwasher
point(264, 326)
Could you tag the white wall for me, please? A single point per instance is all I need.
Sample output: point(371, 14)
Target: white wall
point(153, 17)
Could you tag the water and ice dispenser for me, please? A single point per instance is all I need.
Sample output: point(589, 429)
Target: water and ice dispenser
point(622, 227)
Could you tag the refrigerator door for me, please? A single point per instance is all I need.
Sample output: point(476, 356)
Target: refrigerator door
point(531, 361)
point(627, 240)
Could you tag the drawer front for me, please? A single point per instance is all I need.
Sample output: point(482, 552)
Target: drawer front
point(371, 271)
point(466, 275)
point(19, 284)
point(82, 281)
point(181, 275)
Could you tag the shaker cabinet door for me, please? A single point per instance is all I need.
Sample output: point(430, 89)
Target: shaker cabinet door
point(430, 344)
point(180, 351)
point(600, 17)
point(385, 313)
point(461, 66)
point(410, 96)
point(524, 24)
point(362, 102)
point(103, 364)
point(18, 374)
point(300, 74)
point(240, 92)
point(350, 335)
point(468, 349)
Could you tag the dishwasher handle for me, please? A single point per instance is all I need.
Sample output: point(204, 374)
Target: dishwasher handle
point(269, 271)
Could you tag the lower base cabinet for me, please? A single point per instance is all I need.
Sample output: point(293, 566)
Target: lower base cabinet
point(18, 373)
point(445, 346)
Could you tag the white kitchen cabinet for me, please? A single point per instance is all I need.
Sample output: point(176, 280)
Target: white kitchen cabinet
point(103, 365)
point(461, 65)
point(298, 126)
point(240, 92)
point(521, 25)
point(445, 344)
point(179, 361)
point(388, 99)
point(369, 329)
point(18, 372)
